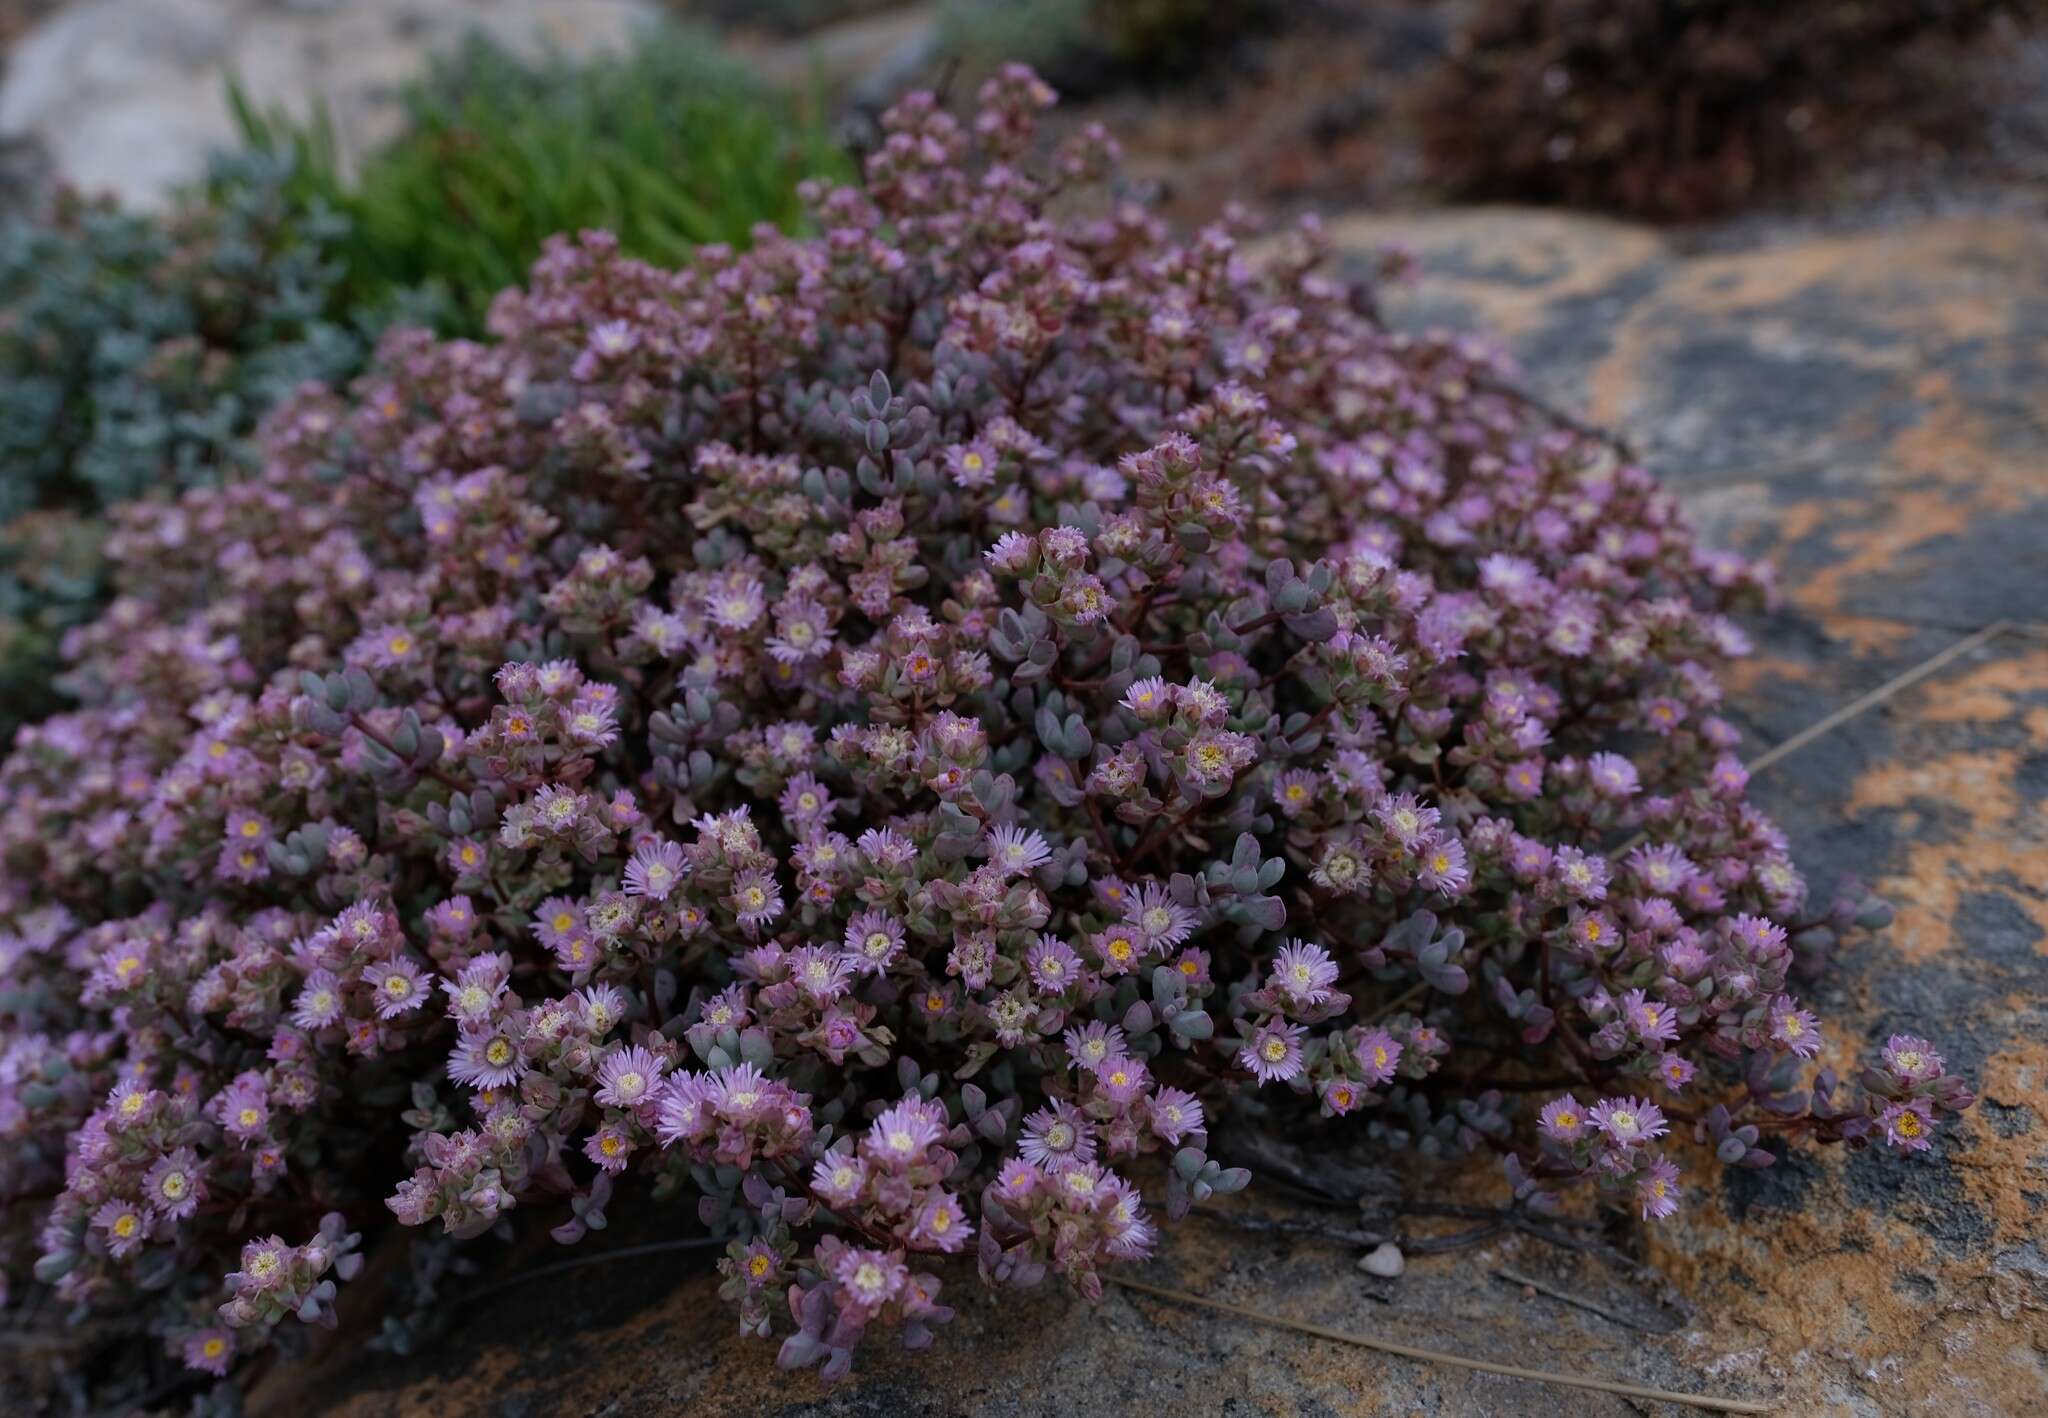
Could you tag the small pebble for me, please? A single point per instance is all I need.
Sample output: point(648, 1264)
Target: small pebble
point(1384, 1260)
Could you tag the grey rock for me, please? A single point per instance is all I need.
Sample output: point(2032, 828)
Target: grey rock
point(129, 96)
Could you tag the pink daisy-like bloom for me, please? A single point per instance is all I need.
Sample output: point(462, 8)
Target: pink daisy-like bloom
point(266, 1264)
point(1912, 1058)
point(1016, 851)
point(654, 869)
point(1612, 776)
point(684, 1108)
point(1794, 1027)
point(868, 1279)
point(629, 1077)
point(971, 465)
point(474, 994)
point(803, 631)
point(124, 1224)
point(820, 972)
point(1174, 1113)
point(591, 723)
point(1093, 1044)
point(1165, 922)
point(487, 1060)
point(1120, 948)
point(1909, 1126)
point(1294, 792)
point(210, 1350)
point(1122, 1079)
point(1130, 1234)
point(941, 1224)
point(873, 941)
point(805, 801)
point(756, 898)
point(838, 1177)
point(610, 1147)
point(1056, 1138)
point(602, 1006)
point(1583, 878)
point(1304, 973)
point(1052, 965)
point(1274, 1053)
point(1563, 1120)
point(1443, 867)
point(1663, 869)
point(319, 1001)
point(1675, 1071)
point(244, 1108)
point(1651, 1021)
point(1149, 699)
point(1657, 1189)
point(1628, 1121)
point(1339, 1095)
point(739, 1093)
point(556, 919)
point(174, 1187)
point(903, 1133)
point(1378, 1054)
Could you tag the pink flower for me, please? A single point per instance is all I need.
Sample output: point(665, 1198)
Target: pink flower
point(1303, 973)
point(1273, 1053)
point(941, 1225)
point(655, 869)
point(1657, 1189)
point(1909, 1126)
point(1794, 1027)
point(1056, 1138)
point(868, 1279)
point(1627, 1122)
point(1563, 1120)
point(629, 1078)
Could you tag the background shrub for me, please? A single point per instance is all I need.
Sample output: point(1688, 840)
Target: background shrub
point(1683, 108)
point(668, 147)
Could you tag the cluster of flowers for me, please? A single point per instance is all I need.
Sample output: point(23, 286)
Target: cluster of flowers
point(887, 734)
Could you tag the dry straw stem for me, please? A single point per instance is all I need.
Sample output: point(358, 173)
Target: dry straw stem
point(1432, 1356)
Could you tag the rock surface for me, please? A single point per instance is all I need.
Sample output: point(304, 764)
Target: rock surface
point(1861, 407)
point(129, 96)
